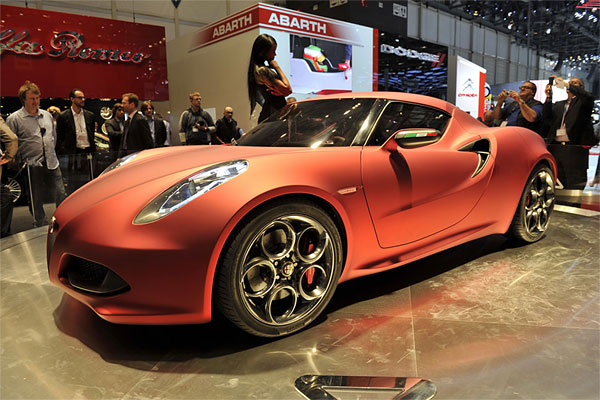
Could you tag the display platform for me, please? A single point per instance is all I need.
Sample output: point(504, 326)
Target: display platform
point(485, 320)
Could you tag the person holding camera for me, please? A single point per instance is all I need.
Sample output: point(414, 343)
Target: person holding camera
point(570, 123)
point(524, 111)
point(196, 123)
point(37, 146)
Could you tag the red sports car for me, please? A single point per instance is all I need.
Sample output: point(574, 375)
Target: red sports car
point(331, 188)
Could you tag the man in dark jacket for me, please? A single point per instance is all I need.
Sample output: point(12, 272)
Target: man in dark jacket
point(115, 127)
point(137, 135)
point(75, 127)
point(227, 128)
point(196, 123)
point(75, 140)
point(571, 129)
point(157, 126)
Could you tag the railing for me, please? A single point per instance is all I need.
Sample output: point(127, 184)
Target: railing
point(577, 167)
point(577, 170)
point(76, 169)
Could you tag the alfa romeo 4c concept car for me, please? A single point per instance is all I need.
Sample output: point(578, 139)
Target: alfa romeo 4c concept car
point(329, 189)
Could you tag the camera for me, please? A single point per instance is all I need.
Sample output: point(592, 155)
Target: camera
point(202, 123)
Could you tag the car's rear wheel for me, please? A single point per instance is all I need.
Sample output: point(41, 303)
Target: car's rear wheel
point(535, 207)
point(15, 189)
point(280, 269)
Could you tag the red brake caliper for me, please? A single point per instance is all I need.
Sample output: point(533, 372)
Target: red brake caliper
point(310, 273)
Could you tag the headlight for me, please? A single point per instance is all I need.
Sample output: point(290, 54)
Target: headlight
point(188, 189)
point(119, 162)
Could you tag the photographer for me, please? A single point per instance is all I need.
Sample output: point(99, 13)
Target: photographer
point(524, 111)
point(196, 123)
point(570, 131)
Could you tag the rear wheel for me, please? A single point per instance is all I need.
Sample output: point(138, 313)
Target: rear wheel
point(535, 207)
point(280, 270)
point(15, 189)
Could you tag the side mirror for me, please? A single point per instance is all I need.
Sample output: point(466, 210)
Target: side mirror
point(412, 137)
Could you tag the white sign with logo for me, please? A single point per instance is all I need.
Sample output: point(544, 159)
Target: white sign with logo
point(466, 85)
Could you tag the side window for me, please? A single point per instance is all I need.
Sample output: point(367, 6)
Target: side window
point(398, 116)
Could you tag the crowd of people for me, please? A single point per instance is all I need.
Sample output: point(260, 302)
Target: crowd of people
point(565, 125)
point(50, 139)
point(47, 140)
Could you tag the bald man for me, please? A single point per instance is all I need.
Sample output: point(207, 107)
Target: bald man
point(227, 128)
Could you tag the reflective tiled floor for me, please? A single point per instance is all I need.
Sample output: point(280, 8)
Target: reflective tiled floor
point(485, 320)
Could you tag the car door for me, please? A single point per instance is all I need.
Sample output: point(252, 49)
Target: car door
point(414, 184)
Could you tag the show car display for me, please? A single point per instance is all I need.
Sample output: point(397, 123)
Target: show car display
point(329, 189)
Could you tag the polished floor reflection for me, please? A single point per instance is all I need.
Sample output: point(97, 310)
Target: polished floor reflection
point(485, 320)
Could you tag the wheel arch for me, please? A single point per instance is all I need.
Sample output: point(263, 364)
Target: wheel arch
point(547, 162)
point(322, 203)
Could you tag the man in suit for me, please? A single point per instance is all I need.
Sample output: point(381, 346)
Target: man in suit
point(75, 127)
point(157, 126)
point(75, 139)
point(571, 129)
point(137, 135)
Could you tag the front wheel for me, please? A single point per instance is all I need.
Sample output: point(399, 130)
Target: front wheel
point(280, 270)
point(537, 202)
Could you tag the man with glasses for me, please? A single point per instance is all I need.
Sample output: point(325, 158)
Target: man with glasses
point(75, 140)
point(524, 111)
point(37, 146)
point(75, 127)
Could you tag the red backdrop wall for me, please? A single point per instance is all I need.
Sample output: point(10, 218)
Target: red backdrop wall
point(103, 57)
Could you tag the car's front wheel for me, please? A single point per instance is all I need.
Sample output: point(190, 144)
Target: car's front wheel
point(280, 269)
point(535, 206)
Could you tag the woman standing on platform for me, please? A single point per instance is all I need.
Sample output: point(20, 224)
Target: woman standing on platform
point(267, 84)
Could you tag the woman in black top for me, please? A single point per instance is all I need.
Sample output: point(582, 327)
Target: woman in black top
point(267, 84)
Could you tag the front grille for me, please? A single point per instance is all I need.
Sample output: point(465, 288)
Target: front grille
point(92, 277)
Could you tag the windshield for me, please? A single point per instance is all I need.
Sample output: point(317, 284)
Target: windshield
point(334, 122)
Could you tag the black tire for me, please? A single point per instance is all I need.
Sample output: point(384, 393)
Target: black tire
point(535, 206)
point(280, 270)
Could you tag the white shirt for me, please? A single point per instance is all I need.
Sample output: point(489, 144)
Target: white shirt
point(80, 129)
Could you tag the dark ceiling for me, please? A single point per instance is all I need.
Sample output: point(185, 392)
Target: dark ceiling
point(564, 31)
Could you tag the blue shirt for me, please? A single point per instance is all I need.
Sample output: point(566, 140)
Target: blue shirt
point(511, 118)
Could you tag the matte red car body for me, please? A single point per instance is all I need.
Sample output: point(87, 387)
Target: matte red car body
point(386, 220)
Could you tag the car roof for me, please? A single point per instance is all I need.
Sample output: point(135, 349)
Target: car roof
point(394, 96)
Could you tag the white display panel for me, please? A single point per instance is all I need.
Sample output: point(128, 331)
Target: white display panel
point(466, 85)
point(214, 60)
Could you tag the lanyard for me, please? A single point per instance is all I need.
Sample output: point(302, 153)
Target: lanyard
point(562, 123)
